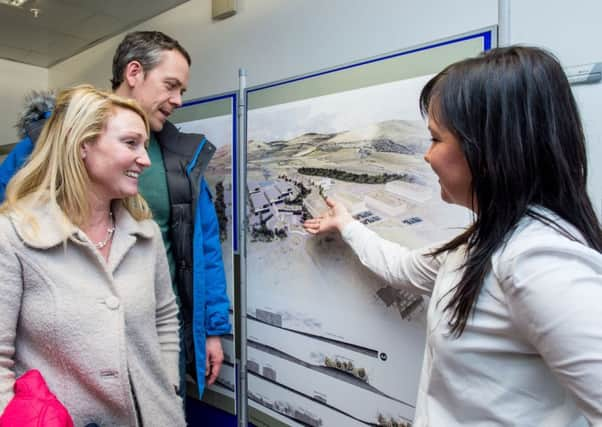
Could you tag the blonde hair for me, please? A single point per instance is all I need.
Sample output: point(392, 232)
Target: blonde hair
point(55, 172)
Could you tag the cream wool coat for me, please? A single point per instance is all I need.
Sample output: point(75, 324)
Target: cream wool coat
point(103, 335)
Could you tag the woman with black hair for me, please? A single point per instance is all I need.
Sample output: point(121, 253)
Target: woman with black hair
point(515, 320)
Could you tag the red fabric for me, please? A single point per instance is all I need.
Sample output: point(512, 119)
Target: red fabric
point(34, 405)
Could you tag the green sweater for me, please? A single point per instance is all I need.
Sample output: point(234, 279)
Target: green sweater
point(152, 185)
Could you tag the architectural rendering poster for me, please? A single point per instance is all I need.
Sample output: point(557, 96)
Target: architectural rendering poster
point(214, 119)
point(329, 343)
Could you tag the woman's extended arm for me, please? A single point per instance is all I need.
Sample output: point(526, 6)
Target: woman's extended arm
point(401, 267)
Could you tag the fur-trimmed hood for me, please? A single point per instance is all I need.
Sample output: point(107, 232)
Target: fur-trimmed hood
point(36, 106)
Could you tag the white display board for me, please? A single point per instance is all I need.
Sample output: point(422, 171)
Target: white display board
point(329, 343)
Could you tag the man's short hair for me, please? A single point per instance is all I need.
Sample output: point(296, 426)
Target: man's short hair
point(144, 47)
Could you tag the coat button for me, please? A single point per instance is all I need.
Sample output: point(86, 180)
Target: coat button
point(112, 303)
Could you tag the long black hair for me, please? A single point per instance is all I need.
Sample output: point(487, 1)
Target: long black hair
point(518, 125)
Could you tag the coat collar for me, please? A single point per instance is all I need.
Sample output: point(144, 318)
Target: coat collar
point(52, 227)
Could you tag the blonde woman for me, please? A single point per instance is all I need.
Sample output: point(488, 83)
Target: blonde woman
point(85, 292)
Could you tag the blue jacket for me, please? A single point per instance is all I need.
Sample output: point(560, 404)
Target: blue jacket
point(200, 276)
point(29, 127)
point(211, 305)
point(13, 163)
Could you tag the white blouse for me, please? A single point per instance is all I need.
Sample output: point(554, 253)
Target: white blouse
point(531, 353)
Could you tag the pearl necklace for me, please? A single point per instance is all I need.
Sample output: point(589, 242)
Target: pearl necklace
point(110, 231)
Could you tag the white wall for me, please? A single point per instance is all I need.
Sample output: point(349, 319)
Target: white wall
point(274, 39)
point(16, 80)
point(571, 30)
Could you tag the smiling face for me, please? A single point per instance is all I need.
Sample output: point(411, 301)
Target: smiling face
point(159, 91)
point(116, 158)
point(446, 158)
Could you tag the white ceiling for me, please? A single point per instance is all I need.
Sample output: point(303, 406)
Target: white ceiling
point(67, 27)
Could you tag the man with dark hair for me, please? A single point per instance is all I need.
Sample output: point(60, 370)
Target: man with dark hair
point(145, 47)
point(153, 69)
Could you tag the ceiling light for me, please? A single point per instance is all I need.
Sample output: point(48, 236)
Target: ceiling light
point(14, 3)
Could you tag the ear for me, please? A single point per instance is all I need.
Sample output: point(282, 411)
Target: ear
point(133, 73)
point(83, 149)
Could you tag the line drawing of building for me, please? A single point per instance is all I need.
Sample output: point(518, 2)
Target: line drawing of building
point(413, 193)
point(385, 202)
